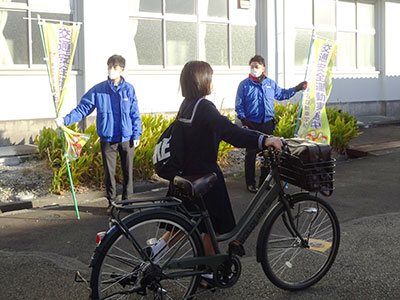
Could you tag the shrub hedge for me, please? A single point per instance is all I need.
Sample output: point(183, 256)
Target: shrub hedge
point(88, 170)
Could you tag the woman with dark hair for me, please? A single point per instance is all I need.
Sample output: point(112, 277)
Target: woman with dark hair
point(201, 141)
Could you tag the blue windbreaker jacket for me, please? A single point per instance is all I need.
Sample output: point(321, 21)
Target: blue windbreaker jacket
point(255, 101)
point(118, 118)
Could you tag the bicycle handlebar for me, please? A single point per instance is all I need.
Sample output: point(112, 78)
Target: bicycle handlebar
point(284, 148)
point(272, 155)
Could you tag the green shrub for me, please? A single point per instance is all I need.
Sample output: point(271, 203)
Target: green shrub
point(88, 170)
point(286, 117)
point(343, 129)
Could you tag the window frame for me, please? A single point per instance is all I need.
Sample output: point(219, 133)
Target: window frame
point(200, 18)
point(336, 30)
point(31, 12)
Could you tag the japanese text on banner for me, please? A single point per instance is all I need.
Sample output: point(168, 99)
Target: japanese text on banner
point(314, 121)
point(59, 41)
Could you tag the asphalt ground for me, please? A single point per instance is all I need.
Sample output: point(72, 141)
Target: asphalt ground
point(41, 248)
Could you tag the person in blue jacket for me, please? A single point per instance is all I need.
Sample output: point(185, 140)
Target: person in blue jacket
point(255, 109)
point(118, 124)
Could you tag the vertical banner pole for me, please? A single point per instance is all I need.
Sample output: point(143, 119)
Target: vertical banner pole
point(57, 106)
point(70, 176)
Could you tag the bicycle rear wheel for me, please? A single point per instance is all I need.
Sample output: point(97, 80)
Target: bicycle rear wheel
point(119, 268)
point(286, 262)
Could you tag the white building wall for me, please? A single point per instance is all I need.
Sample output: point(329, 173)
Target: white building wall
point(25, 94)
point(26, 97)
point(160, 92)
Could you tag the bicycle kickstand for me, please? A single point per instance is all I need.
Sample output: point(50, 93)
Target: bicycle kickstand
point(79, 278)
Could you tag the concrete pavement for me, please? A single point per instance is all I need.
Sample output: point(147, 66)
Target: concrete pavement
point(41, 249)
point(50, 241)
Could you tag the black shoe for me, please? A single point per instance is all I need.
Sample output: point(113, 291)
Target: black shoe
point(252, 188)
point(109, 208)
point(149, 251)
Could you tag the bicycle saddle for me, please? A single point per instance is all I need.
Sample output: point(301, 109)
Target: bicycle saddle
point(195, 187)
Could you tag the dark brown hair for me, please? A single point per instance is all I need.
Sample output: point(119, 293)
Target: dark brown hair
point(116, 60)
point(257, 58)
point(195, 80)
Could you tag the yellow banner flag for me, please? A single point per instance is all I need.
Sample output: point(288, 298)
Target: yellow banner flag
point(59, 43)
point(314, 121)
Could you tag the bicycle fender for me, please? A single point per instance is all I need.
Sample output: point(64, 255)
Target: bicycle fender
point(299, 194)
point(99, 249)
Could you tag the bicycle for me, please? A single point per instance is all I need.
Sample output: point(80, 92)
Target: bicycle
point(296, 246)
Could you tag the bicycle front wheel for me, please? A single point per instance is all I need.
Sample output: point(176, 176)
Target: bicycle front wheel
point(288, 263)
point(119, 268)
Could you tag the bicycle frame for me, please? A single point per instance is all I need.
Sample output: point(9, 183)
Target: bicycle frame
point(255, 211)
point(258, 207)
point(271, 203)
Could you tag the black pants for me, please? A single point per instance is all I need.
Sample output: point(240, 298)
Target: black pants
point(250, 157)
point(109, 151)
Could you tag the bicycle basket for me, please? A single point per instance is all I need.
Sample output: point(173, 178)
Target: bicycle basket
point(312, 176)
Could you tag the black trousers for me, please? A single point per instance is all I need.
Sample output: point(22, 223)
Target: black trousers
point(109, 151)
point(250, 157)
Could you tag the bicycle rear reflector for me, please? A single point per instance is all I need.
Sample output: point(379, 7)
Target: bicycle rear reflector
point(99, 237)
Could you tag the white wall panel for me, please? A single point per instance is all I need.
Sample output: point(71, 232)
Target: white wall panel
point(29, 97)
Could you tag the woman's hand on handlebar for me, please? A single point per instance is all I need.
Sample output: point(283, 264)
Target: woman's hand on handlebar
point(274, 142)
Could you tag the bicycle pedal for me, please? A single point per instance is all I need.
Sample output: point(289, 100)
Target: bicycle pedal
point(235, 247)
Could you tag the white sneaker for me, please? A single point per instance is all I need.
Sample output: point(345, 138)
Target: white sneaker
point(156, 251)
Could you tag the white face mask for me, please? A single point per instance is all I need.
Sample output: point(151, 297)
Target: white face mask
point(256, 72)
point(113, 74)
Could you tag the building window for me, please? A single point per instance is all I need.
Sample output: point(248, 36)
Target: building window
point(148, 34)
point(392, 45)
point(20, 41)
point(350, 22)
point(215, 43)
point(181, 42)
point(168, 33)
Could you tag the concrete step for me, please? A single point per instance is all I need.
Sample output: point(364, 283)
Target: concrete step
point(368, 149)
point(376, 120)
point(377, 147)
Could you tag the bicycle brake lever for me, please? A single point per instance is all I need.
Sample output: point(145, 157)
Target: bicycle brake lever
point(285, 146)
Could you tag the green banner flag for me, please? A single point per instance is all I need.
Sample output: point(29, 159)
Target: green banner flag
point(314, 121)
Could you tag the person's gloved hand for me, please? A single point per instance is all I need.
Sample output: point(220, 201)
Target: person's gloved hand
point(59, 121)
point(301, 86)
point(136, 143)
point(246, 123)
